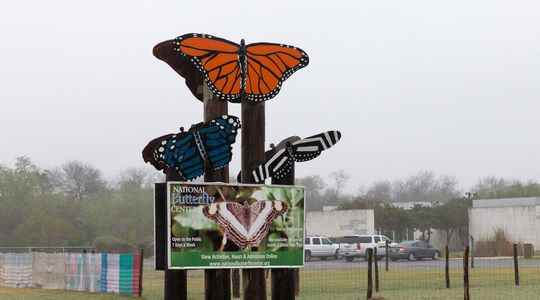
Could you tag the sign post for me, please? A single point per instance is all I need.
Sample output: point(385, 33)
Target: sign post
point(175, 285)
point(253, 137)
point(217, 283)
point(284, 280)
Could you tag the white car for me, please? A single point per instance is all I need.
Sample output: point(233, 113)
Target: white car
point(352, 246)
point(319, 246)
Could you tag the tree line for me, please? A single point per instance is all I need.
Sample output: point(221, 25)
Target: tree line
point(74, 205)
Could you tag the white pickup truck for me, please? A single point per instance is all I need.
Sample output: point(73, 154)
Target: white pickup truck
point(352, 246)
point(319, 246)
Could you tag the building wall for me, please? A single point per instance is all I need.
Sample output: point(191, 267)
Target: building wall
point(340, 222)
point(521, 224)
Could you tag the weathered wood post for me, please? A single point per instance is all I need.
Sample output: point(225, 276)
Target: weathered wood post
point(217, 283)
point(369, 274)
point(447, 266)
point(235, 276)
point(516, 266)
point(376, 262)
point(253, 137)
point(466, 295)
point(175, 285)
point(283, 280)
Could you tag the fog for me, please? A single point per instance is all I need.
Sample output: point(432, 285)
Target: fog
point(418, 85)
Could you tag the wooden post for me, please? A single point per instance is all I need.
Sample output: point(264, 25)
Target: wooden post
point(235, 283)
point(217, 283)
point(369, 274)
point(283, 280)
point(466, 295)
point(376, 261)
point(446, 267)
point(175, 285)
point(387, 255)
point(253, 131)
point(296, 282)
point(516, 266)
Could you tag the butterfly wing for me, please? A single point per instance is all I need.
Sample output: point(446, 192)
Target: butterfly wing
point(278, 166)
point(311, 147)
point(217, 138)
point(230, 217)
point(177, 151)
point(217, 60)
point(268, 65)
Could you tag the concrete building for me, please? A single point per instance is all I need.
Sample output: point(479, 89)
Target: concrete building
point(518, 217)
point(340, 222)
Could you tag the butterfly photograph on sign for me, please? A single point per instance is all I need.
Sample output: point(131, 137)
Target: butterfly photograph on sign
point(245, 224)
point(281, 158)
point(239, 72)
point(187, 152)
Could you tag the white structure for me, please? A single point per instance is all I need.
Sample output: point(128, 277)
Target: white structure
point(411, 204)
point(340, 222)
point(518, 217)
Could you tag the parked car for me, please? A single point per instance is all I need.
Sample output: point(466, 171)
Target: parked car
point(414, 250)
point(319, 246)
point(352, 246)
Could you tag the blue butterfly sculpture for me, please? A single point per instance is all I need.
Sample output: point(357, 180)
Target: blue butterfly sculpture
point(280, 159)
point(187, 151)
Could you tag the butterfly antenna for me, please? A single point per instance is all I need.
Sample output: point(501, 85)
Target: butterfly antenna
point(221, 194)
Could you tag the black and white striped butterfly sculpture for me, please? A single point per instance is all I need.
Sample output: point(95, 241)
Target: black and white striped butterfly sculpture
point(281, 158)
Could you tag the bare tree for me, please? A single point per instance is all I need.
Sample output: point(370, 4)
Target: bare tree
point(314, 187)
point(77, 180)
point(379, 191)
point(340, 181)
point(425, 187)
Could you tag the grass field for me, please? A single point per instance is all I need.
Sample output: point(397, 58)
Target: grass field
point(397, 284)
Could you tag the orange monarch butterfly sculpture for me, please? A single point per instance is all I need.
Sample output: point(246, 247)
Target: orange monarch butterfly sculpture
point(235, 72)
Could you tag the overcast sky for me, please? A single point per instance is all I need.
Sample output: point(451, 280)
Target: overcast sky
point(448, 86)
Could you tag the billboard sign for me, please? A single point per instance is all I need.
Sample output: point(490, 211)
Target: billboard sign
point(218, 225)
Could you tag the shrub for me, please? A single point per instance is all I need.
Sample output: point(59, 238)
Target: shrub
point(498, 245)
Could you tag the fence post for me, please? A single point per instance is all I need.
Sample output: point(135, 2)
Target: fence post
point(466, 295)
point(369, 274)
point(376, 269)
point(516, 266)
point(386, 257)
point(446, 267)
point(472, 252)
point(141, 267)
